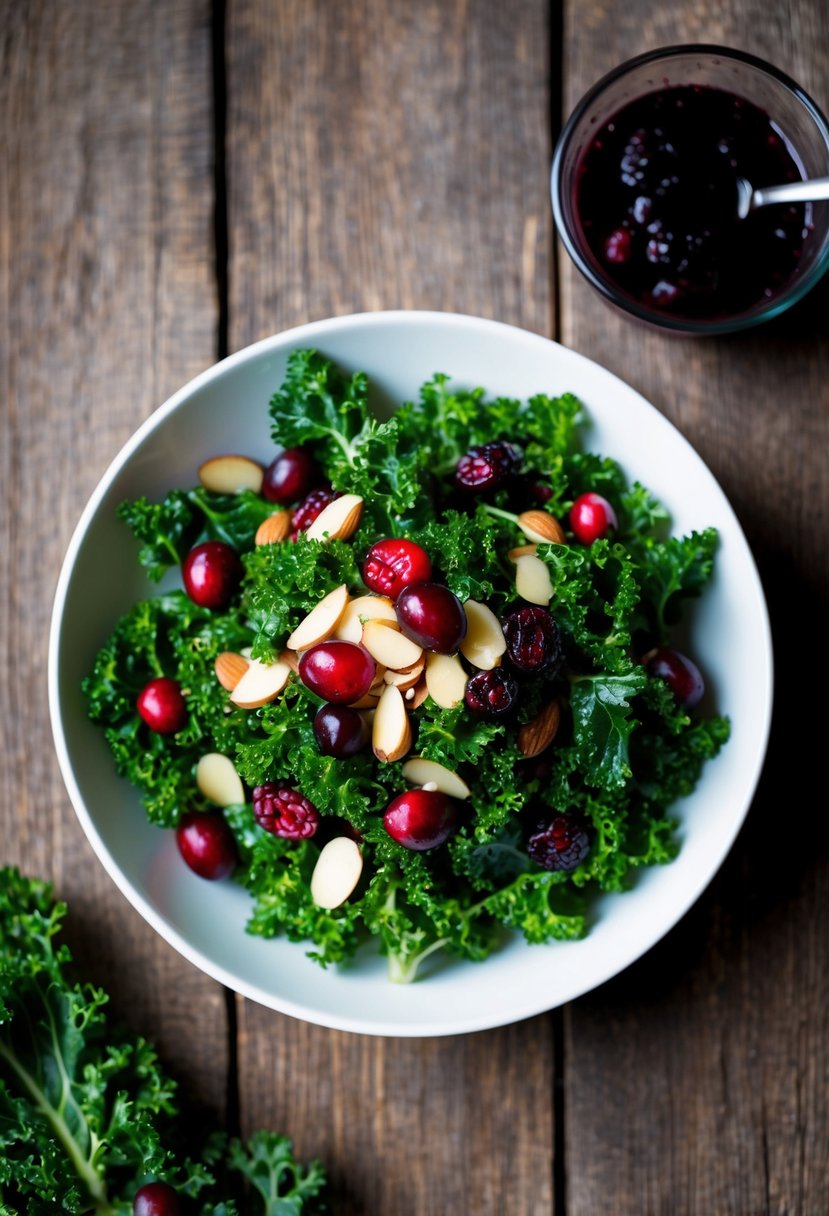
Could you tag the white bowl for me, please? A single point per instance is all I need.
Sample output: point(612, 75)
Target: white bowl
point(225, 409)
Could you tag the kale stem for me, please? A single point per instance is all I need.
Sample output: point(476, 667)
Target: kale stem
point(501, 514)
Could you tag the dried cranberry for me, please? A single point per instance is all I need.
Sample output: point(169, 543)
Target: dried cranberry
point(561, 843)
point(533, 640)
point(310, 507)
point(493, 693)
point(487, 466)
point(284, 811)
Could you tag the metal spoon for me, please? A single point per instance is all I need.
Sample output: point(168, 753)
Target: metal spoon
point(790, 192)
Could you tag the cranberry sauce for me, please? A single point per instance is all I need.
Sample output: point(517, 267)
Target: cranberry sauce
point(656, 199)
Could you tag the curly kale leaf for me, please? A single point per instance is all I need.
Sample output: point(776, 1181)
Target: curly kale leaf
point(87, 1115)
point(602, 724)
point(671, 571)
point(465, 552)
point(167, 530)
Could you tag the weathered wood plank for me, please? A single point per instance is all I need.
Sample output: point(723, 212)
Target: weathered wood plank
point(384, 155)
point(106, 305)
point(698, 1080)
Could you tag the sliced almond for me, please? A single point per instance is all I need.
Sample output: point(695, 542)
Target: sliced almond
point(536, 735)
point(231, 475)
point(368, 700)
point(361, 609)
point(274, 529)
point(339, 520)
point(484, 642)
point(420, 771)
point(290, 657)
point(261, 683)
point(408, 677)
point(389, 646)
point(321, 621)
point(229, 668)
point(541, 526)
point(391, 731)
point(337, 872)
point(532, 580)
point(522, 551)
point(445, 679)
point(217, 779)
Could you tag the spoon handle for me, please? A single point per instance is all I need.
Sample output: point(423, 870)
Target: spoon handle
point(792, 192)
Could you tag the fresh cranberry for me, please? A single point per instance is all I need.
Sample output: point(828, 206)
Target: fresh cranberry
point(211, 573)
point(308, 510)
point(487, 466)
point(682, 676)
point(431, 615)
point(340, 731)
point(561, 843)
point(592, 517)
point(393, 564)
point(290, 476)
point(533, 640)
point(162, 706)
point(206, 843)
point(492, 693)
point(421, 819)
point(284, 811)
point(340, 672)
point(156, 1199)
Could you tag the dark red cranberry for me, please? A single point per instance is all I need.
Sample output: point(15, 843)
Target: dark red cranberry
point(619, 246)
point(393, 564)
point(541, 493)
point(290, 476)
point(211, 573)
point(206, 843)
point(561, 843)
point(156, 1199)
point(487, 466)
point(310, 507)
point(492, 693)
point(340, 672)
point(162, 706)
point(284, 811)
point(421, 819)
point(682, 676)
point(431, 615)
point(592, 517)
point(533, 640)
point(340, 731)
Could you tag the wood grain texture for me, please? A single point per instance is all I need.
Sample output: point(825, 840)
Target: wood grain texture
point(698, 1081)
point(106, 305)
point(389, 155)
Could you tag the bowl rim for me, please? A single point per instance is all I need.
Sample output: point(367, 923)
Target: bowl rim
point(483, 1018)
point(628, 304)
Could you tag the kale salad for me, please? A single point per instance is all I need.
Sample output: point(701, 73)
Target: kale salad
point(418, 680)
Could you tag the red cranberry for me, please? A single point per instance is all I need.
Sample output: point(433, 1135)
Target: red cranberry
point(618, 246)
point(491, 693)
point(562, 843)
point(592, 517)
point(284, 811)
point(393, 564)
point(212, 572)
point(421, 819)
point(340, 672)
point(431, 615)
point(162, 706)
point(340, 731)
point(206, 843)
point(156, 1199)
point(290, 476)
point(682, 676)
point(533, 640)
point(487, 466)
point(310, 507)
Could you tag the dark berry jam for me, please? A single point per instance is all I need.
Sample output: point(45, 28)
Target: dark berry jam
point(656, 199)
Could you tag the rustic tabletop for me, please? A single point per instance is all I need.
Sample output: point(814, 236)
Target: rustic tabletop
point(179, 179)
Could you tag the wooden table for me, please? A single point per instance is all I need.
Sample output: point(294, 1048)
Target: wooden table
point(178, 179)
